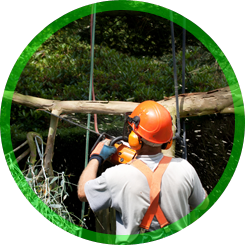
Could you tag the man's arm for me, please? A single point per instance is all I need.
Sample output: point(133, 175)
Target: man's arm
point(89, 173)
point(101, 152)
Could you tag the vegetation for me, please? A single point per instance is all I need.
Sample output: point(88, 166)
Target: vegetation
point(141, 34)
point(60, 69)
point(133, 62)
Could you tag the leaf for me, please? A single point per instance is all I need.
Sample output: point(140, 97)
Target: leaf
point(53, 180)
point(55, 206)
point(29, 175)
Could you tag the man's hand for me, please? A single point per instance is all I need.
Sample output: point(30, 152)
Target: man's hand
point(102, 151)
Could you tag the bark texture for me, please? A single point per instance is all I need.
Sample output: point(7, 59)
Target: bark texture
point(192, 104)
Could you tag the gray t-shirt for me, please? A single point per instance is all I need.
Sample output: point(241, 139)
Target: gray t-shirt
point(125, 188)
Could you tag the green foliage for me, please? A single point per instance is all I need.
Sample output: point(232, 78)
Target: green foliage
point(60, 68)
point(117, 76)
point(138, 33)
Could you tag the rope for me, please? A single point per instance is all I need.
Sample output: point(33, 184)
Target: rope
point(78, 125)
point(184, 153)
point(90, 88)
point(93, 18)
point(92, 21)
point(91, 81)
point(177, 135)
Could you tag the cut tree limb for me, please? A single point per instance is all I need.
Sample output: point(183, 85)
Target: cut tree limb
point(50, 143)
point(192, 104)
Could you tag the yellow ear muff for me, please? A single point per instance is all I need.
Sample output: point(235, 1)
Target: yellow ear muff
point(169, 144)
point(134, 141)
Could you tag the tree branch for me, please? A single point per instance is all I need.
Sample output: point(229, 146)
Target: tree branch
point(192, 104)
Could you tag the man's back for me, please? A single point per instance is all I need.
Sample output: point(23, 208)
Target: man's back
point(126, 189)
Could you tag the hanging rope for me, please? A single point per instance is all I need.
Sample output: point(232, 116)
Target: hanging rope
point(184, 153)
point(177, 134)
point(92, 34)
point(91, 80)
point(93, 19)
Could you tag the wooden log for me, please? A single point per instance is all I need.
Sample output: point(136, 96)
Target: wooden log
point(192, 104)
point(50, 143)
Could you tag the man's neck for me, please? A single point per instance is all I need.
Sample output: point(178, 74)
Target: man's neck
point(148, 150)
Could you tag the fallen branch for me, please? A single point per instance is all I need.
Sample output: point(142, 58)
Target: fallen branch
point(19, 147)
point(192, 104)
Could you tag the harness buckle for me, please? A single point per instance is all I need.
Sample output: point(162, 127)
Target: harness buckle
point(142, 230)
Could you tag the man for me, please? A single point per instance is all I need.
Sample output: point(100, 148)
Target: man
point(132, 189)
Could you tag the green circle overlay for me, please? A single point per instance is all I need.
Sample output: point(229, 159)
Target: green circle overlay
point(112, 6)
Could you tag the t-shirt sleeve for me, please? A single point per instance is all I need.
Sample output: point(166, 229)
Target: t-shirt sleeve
point(98, 193)
point(198, 194)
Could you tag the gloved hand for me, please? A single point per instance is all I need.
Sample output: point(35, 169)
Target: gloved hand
point(102, 151)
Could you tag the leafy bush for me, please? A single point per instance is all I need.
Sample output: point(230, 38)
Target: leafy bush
point(64, 74)
point(60, 69)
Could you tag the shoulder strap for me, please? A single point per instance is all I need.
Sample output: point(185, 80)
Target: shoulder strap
point(143, 168)
point(154, 180)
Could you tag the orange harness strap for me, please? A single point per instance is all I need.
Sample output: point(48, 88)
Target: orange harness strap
point(154, 180)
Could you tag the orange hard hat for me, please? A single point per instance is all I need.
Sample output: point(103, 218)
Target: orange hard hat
point(152, 121)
